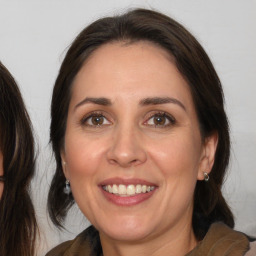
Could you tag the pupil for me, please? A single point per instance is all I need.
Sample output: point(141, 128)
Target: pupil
point(97, 120)
point(159, 120)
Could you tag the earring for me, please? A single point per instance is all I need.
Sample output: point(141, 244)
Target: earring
point(206, 176)
point(67, 189)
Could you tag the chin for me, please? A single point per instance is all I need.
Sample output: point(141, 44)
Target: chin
point(126, 231)
point(127, 235)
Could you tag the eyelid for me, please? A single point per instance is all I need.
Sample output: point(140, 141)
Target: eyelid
point(148, 116)
point(91, 114)
point(153, 114)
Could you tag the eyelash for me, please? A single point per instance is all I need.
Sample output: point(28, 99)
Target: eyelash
point(89, 116)
point(84, 121)
point(161, 114)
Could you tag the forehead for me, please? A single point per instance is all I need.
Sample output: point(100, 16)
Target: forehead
point(130, 67)
point(127, 55)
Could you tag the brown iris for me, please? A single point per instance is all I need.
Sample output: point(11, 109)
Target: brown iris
point(159, 120)
point(97, 120)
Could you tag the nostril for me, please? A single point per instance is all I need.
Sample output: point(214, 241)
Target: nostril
point(124, 162)
point(125, 150)
point(112, 161)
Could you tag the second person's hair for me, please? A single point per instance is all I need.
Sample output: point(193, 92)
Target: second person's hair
point(18, 226)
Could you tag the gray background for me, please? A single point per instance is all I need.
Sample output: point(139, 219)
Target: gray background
point(34, 36)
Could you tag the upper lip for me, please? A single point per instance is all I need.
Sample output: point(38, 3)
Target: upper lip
point(118, 180)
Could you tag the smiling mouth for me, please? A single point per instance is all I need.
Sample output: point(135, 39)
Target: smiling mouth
point(127, 190)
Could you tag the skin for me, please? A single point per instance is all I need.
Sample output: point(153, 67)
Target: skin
point(129, 144)
point(1, 173)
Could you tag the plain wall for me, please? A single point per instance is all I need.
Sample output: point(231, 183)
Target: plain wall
point(34, 36)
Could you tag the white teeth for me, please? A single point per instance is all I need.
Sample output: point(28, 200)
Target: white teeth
point(138, 189)
point(121, 190)
point(128, 190)
point(115, 189)
point(109, 189)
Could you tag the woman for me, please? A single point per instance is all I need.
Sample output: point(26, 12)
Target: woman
point(17, 217)
point(141, 142)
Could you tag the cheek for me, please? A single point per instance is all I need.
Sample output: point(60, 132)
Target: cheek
point(176, 160)
point(176, 156)
point(83, 156)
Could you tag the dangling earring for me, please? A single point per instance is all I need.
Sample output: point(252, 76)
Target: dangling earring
point(206, 176)
point(67, 189)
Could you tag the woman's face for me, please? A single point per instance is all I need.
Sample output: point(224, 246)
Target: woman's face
point(132, 127)
point(1, 173)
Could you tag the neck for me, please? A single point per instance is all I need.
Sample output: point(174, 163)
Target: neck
point(177, 241)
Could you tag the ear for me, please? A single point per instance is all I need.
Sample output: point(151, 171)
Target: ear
point(64, 164)
point(207, 155)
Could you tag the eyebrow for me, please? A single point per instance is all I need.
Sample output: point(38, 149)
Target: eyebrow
point(144, 102)
point(161, 100)
point(99, 101)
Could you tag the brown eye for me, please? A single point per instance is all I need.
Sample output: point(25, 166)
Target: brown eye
point(97, 120)
point(159, 120)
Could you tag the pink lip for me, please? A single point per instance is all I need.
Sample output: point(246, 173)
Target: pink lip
point(128, 200)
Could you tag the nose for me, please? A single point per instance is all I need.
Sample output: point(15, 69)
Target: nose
point(126, 148)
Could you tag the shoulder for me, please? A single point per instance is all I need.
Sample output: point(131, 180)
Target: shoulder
point(234, 242)
point(81, 245)
point(222, 240)
point(60, 249)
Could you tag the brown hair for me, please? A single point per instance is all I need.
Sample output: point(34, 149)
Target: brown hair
point(195, 66)
point(18, 226)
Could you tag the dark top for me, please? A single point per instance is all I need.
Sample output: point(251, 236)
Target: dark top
point(220, 240)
